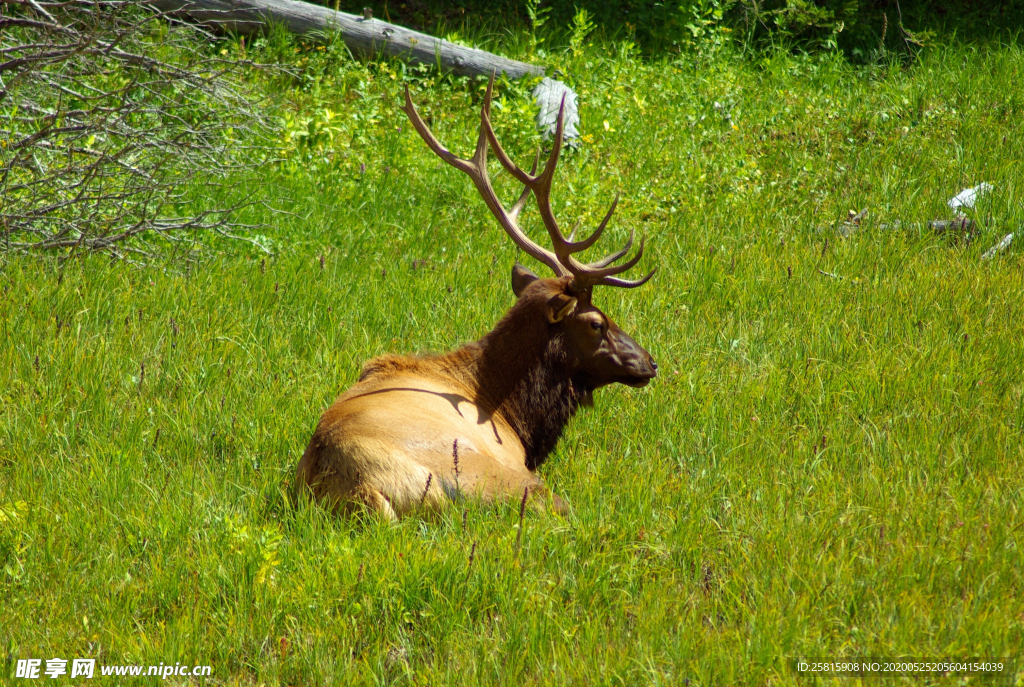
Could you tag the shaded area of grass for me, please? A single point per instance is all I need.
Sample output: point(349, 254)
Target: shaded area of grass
point(827, 467)
point(861, 30)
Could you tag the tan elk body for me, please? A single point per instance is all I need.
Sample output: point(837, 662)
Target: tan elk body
point(422, 431)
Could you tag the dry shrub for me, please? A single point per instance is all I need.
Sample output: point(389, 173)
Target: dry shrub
point(109, 113)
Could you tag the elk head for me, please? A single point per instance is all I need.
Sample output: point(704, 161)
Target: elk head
point(599, 352)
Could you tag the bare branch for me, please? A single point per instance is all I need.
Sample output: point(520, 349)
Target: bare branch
point(98, 128)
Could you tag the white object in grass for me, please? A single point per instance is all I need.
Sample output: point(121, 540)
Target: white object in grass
point(548, 95)
point(967, 197)
point(998, 248)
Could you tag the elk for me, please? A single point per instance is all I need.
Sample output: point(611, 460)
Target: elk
point(419, 432)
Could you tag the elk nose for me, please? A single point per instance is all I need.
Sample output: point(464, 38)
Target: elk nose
point(654, 364)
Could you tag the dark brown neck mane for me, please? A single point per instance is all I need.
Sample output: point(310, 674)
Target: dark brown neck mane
point(524, 375)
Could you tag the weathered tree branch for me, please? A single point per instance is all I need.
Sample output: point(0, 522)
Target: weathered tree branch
point(99, 137)
point(368, 36)
point(957, 227)
point(995, 250)
point(961, 226)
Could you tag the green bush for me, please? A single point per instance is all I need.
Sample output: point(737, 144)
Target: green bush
point(858, 27)
point(862, 28)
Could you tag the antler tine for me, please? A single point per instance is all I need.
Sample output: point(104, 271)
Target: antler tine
point(556, 147)
point(576, 247)
point(575, 228)
point(564, 248)
point(521, 203)
point(476, 169)
point(499, 152)
point(591, 274)
point(626, 283)
point(424, 131)
point(609, 259)
point(542, 191)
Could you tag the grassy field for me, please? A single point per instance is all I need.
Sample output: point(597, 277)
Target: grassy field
point(829, 465)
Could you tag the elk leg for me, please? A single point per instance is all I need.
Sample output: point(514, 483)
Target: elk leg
point(371, 500)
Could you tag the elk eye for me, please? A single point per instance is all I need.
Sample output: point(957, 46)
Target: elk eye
point(597, 326)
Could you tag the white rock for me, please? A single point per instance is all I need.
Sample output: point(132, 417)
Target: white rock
point(548, 95)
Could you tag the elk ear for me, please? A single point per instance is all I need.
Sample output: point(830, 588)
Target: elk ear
point(521, 278)
point(559, 306)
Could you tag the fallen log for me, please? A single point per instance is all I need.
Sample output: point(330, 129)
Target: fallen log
point(957, 227)
point(361, 34)
point(998, 248)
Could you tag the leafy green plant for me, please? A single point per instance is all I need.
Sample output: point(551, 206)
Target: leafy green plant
point(707, 31)
point(582, 27)
point(538, 17)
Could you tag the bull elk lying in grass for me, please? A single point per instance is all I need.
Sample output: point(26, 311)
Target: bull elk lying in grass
point(421, 431)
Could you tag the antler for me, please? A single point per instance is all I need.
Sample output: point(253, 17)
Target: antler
point(561, 260)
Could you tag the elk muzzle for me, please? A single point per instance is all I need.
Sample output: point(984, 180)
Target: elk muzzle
point(636, 367)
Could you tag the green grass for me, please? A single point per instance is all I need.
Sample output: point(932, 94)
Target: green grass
point(827, 466)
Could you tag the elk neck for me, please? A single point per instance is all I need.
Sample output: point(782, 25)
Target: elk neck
point(522, 373)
